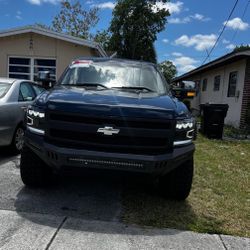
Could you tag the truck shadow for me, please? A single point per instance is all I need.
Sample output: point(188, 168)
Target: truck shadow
point(146, 207)
point(6, 155)
point(106, 198)
point(87, 195)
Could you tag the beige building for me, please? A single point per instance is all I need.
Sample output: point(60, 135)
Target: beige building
point(27, 50)
point(225, 80)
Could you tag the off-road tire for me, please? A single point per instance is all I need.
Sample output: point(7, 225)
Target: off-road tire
point(177, 184)
point(34, 172)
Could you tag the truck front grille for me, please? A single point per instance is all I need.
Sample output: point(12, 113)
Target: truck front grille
point(136, 136)
point(118, 122)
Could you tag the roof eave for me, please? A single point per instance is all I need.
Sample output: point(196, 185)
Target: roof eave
point(53, 34)
point(218, 61)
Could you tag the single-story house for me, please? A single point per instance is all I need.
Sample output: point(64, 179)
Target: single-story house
point(225, 80)
point(25, 51)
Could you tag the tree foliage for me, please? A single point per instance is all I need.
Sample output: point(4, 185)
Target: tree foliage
point(241, 48)
point(134, 27)
point(169, 70)
point(74, 20)
point(103, 38)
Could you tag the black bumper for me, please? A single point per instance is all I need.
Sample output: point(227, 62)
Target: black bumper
point(60, 158)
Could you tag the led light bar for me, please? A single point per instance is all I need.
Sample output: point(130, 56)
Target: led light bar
point(104, 162)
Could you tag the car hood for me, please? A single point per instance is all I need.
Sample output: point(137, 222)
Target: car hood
point(112, 102)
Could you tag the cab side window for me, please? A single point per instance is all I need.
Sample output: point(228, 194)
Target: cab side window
point(26, 92)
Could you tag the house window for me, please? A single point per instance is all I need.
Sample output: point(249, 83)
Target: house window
point(20, 68)
point(44, 65)
point(232, 84)
point(204, 84)
point(217, 83)
point(28, 68)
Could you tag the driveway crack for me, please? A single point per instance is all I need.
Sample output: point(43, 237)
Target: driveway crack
point(222, 242)
point(56, 232)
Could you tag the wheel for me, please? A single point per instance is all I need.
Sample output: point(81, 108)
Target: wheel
point(34, 172)
point(177, 184)
point(18, 140)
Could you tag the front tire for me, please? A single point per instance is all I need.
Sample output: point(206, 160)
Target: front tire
point(177, 184)
point(18, 140)
point(34, 172)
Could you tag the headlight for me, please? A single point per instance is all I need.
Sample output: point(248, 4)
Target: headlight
point(35, 120)
point(36, 113)
point(185, 124)
point(184, 132)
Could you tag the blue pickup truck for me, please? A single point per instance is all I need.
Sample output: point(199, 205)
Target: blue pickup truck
point(114, 114)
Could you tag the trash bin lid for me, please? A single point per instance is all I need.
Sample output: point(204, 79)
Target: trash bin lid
point(214, 106)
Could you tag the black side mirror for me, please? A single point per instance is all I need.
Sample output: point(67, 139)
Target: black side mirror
point(45, 78)
point(177, 93)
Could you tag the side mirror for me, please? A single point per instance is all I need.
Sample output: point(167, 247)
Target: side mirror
point(45, 78)
point(177, 93)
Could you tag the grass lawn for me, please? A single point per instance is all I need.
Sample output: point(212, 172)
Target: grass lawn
point(220, 197)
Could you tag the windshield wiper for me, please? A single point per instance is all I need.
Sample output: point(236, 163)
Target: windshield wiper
point(140, 88)
point(87, 85)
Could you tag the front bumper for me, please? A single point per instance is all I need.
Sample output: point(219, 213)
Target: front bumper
point(60, 158)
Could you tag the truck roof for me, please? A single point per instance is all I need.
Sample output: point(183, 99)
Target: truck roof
point(104, 59)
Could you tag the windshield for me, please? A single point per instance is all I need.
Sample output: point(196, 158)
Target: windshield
point(114, 75)
point(4, 87)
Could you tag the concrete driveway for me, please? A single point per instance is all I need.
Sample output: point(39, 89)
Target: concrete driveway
point(82, 213)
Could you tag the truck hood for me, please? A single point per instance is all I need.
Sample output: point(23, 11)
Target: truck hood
point(112, 102)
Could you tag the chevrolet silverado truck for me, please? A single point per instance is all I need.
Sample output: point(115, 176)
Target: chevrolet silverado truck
point(114, 114)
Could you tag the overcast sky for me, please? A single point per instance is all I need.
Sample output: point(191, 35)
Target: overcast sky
point(191, 31)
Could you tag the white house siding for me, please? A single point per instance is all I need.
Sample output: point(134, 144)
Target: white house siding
point(220, 97)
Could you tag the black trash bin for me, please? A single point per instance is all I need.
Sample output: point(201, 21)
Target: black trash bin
point(212, 119)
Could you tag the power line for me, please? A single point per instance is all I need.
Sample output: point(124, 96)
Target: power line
point(208, 55)
point(223, 29)
point(243, 15)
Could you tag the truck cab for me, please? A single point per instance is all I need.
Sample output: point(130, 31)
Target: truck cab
point(113, 114)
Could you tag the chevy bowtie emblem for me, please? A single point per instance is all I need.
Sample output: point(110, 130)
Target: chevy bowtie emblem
point(108, 130)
